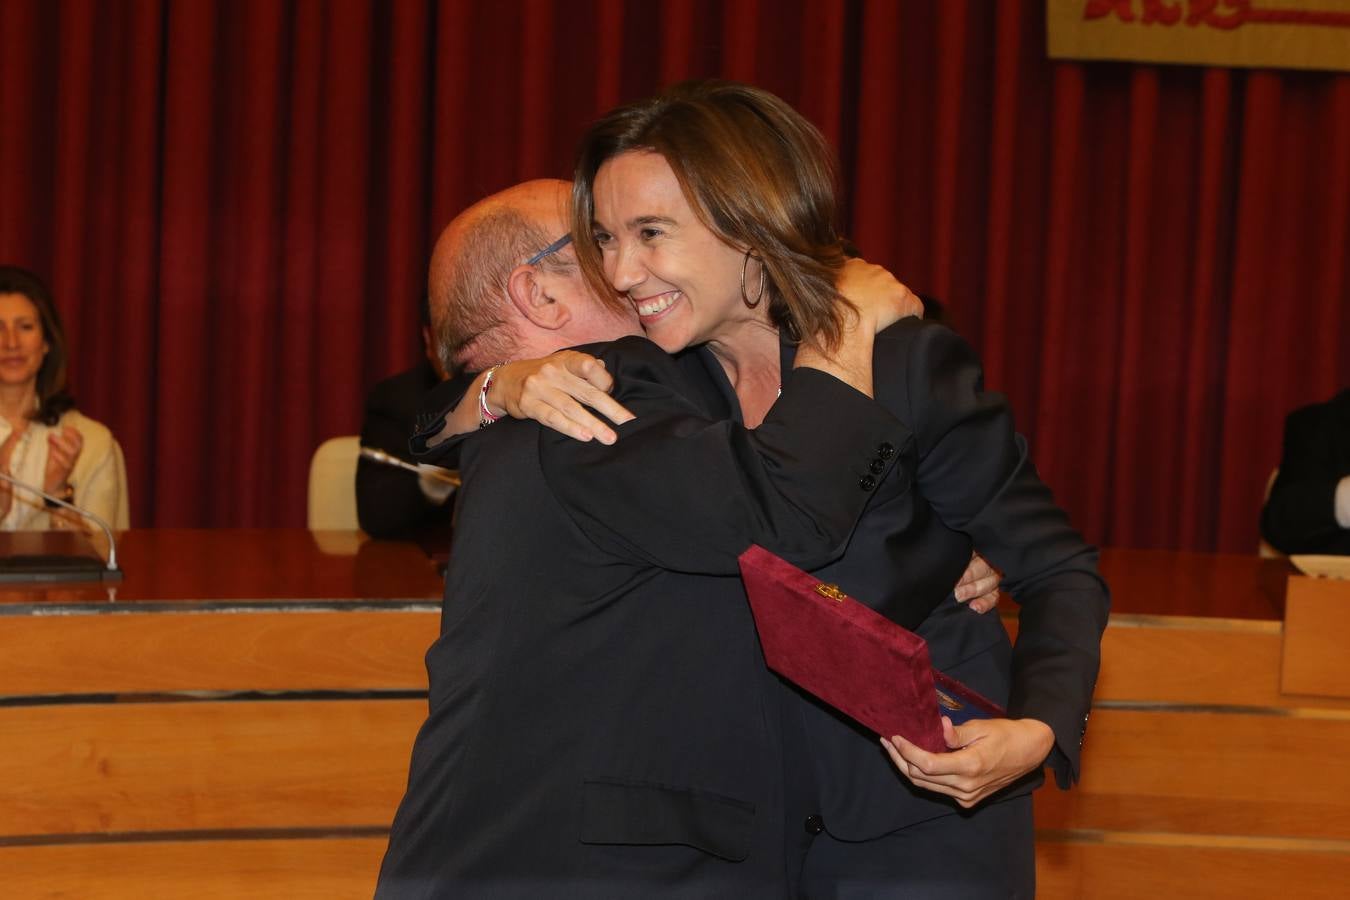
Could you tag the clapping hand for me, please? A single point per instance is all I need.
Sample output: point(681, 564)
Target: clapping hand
point(6, 453)
point(63, 449)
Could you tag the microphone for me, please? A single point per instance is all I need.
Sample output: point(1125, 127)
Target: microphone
point(374, 454)
point(62, 565)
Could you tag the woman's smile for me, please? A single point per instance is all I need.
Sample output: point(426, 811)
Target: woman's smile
point(652, 308)
point(683, 280)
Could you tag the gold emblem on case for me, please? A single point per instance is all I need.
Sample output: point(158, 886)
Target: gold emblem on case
point(947, 701)
point(831, 591)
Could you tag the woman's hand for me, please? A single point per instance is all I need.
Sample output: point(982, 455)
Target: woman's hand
point(552, 390)
point(6, 490)
point(63, 449)
point(879, 301)
point(987, 755)
point(877, 295)
point(979, 585)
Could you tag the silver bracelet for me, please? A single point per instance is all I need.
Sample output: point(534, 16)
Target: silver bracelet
point(485, 416)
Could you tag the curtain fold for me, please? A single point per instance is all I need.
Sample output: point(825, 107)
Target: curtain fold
point(234, 203)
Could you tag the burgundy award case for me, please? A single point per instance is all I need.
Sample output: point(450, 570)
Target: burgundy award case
point(851, 657)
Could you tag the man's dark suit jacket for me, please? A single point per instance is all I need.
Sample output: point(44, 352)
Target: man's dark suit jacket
point(601, 722)
point(963, 480)
point(1300, 514)
point(389, 502)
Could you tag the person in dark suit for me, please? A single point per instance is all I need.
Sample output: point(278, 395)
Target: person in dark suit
point(1308, 510)
point(958, 824)
point(393, 502)
point(601, 724)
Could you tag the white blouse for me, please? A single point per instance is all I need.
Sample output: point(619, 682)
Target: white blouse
point(99, 476)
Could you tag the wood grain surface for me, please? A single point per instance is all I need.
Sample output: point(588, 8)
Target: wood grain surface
point(240, 651)
point(1317, 637)
point(296, 869)
point(1124, 867)
point(137, 767)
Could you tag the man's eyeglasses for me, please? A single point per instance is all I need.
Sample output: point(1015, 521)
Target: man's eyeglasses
point(550, 249)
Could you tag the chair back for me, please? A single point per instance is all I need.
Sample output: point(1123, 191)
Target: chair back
point(1263, 547)
point(332, 484)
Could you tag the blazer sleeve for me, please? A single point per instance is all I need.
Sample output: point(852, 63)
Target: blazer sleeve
point(389, 501)
point(975, 471)
point(1300, 514)
point(684, 492)
point(436, 407)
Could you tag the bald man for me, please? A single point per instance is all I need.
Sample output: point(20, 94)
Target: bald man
point(601, 723)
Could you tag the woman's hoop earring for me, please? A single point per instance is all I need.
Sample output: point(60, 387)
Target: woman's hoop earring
point(758, 297)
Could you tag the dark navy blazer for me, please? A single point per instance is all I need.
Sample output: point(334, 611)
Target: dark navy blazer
point(1300, 514)
point(601, 723)
point(963, 480)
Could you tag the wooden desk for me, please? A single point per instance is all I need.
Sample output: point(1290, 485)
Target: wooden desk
point(203, 569)
point(1201, 776)
point(1174, 583)
point(233, 719)
point(236, 719)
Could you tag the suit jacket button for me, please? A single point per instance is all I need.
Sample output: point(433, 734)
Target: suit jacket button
point(876, 466)
point(885, 450)
point(867, 482)
point(814, 824)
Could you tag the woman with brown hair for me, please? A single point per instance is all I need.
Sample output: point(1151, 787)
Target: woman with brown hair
point(44, 441)
point(710, 208)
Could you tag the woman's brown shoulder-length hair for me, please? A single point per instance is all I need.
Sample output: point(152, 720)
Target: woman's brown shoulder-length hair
point(753, 169)
point(53, 397)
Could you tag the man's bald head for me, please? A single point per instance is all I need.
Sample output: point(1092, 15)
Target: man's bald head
point(496, 296)
point(472, 265)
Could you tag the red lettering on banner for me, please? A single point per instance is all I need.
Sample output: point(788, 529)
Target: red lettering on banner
point(1205, 12)
point(1096, 9)
point(1159, 11)
point(1224, 15)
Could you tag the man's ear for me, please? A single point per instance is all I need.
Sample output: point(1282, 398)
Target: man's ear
point(528, 288)
point(431, 352)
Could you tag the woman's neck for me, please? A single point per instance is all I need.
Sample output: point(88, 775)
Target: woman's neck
point(751, 358)
point(17, 402)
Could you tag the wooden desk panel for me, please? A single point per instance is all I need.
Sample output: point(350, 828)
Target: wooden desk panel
point(300, 650)
point(1213, 773)
point(202, 569)
point(332, 868)
point(1191, 661)
point(186, 794)
point(1174, 583)
point(1114, 867)
point(1316, 635)
point(1184, 710)
point(73, 769)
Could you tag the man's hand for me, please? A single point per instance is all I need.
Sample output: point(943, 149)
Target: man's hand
point(979, 585)
point(987, 755)
point(552, 390)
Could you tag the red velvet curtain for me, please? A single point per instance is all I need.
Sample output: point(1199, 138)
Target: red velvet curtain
point(234, 202)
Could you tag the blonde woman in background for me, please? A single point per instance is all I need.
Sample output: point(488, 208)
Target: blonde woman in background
point(44, 440)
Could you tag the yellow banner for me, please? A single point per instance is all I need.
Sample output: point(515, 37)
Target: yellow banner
point(1285, 34)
